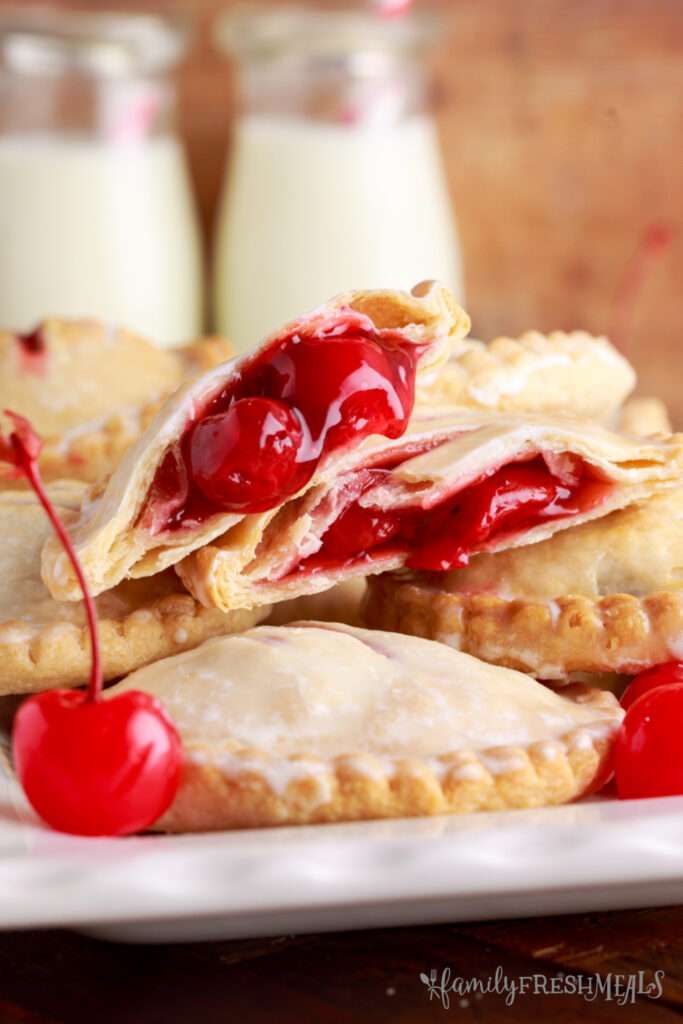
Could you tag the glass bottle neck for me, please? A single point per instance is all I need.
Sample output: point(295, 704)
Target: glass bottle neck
point(111, 110)
point(370, 89)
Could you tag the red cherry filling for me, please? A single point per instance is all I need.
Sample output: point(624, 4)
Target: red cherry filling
point(325, 386)
point(32, 350)
point(515, 497)
point(660, 675)
point(344, 386)
point(89, 766)
point(246, 458)
point(647, 755)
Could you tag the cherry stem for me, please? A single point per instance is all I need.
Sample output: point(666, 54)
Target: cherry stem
point(32, 472)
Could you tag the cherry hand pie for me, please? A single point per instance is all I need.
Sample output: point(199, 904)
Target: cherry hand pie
point(573, 373)
point(229, 449)
point(314, 722)
point(90, 390)
point(44, 643)
point(605, 597)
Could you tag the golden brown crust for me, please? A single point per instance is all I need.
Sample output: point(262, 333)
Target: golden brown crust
point(644, 416)
point(363, 787)
point(549, 639)
point(59, 653)
point(44, 643)
point(91, 450)
point(574, 373)
point(83, 370)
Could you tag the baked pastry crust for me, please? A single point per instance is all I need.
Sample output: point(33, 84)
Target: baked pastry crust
point(45, 644)
point(92, 392)
point(605, 597)
point(574, 373)
point(341, 603)
point(320, 723)
point(644, 417)
point(85, 370)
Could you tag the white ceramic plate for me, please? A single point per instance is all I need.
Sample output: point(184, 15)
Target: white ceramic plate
point(597, 855)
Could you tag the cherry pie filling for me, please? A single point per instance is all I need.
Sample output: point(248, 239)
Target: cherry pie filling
point(316, 389)
point(320, 388)
point(510, 500)
point(32, 350)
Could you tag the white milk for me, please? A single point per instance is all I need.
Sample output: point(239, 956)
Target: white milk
point(312, 209)
point(90, 229)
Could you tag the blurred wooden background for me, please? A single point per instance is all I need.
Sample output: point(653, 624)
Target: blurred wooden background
point(562, 124)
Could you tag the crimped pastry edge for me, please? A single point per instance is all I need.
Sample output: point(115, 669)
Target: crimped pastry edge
point(617, 633)
point(59, 653)
point(479, 375)
point(237, 789)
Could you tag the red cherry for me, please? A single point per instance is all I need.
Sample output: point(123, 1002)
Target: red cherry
point(89, 766)
point(660, 675)
point(648, 760)
point(96, 767)
point(246, 459)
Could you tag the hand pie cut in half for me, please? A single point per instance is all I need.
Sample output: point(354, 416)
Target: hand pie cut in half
point(314, 723)
point(605, 597)
point(45, 644)
point(231, 447)
point(575, 373)
point(448, 488)
point(90, 389)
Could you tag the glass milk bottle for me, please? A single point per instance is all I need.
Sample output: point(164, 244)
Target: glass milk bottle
point(96, 214)
point(336, 178)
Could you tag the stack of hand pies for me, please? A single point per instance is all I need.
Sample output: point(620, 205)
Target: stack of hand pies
point(430, 525)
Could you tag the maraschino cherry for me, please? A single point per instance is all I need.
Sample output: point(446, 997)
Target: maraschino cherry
point(660, 675)
point(647, 755)
point(87, 765)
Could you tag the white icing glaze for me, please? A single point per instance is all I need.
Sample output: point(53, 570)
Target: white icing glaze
point(514, 379)
point(278, 773)
point(326, 690)
point(676, 647)
point(469, 770)
point(549, 750)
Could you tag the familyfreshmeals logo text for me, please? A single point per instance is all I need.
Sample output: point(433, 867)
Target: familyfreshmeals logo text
point(621, 989)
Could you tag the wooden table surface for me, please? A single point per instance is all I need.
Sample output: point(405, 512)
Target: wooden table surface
point(50, 977)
